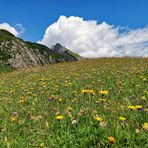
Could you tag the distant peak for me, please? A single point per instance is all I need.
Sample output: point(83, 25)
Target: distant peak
point(58, 45)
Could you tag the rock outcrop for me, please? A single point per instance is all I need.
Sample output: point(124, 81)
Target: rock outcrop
point(17, 53)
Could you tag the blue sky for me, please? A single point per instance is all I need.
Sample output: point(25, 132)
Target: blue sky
point(87, 27)
point(37, 15)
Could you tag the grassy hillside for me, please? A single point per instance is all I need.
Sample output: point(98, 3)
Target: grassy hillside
point(86, 104)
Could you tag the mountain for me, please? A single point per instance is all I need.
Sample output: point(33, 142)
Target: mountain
point(17, 53)
point(64, 51)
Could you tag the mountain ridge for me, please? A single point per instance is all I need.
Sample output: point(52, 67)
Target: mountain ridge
point(17, 53)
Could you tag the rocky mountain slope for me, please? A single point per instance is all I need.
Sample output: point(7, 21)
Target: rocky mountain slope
point(17, 53)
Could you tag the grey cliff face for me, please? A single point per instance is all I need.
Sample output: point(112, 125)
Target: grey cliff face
point(18, 53)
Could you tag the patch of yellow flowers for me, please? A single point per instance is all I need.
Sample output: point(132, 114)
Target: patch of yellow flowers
point(132, 107)
point(88, 91)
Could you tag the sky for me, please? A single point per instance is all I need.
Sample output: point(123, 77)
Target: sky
point(91, 28)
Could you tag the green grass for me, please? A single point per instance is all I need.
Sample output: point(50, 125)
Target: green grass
point(30, 99)
point(5, 68)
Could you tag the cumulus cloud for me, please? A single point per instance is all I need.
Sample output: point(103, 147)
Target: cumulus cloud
point(20, 29)
point(90, 39)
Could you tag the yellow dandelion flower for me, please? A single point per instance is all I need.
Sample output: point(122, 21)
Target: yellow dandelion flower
point(99, 119)
point(145, 126)
point(59, 117)
point(83, 91)
point(139, 107)
point(88, 91)
point(131, 107)
point(111, 139)
point(122, 119)
point(103, 92)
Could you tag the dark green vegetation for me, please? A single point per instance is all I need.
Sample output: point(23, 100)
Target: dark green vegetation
point(5, 68)
point(5, 34)
point(61, 105)
point(4, 56)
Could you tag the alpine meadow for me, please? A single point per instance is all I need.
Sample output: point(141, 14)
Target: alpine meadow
point(88, 103)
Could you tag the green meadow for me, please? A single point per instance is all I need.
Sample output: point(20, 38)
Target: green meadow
point(91, 103)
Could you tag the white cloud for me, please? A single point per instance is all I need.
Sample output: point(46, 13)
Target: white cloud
point(90, 39)
point(20, 28)
point(13, 30)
